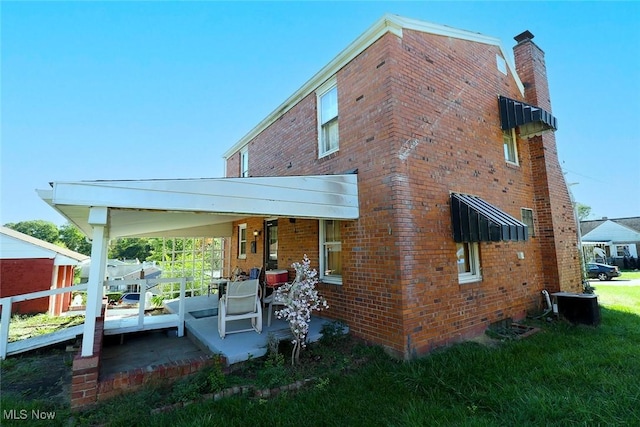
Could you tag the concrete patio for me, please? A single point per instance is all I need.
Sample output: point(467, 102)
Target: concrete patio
point(240, 346)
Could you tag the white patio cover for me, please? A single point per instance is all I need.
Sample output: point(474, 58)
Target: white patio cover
point(202, 207)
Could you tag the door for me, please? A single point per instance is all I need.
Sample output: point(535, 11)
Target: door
point(271, 252)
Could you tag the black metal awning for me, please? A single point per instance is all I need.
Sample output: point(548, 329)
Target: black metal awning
point(531, 119)
point(475, 220)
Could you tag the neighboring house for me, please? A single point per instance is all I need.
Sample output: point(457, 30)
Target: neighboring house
point(29, 265)
point(124, 270)
point(418, 170)
point(612, 240)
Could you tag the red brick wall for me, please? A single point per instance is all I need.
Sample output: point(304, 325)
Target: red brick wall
point(558, 230)
point(418, 118)
point(22, 276)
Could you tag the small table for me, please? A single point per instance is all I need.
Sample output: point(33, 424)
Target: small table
point(220, 285)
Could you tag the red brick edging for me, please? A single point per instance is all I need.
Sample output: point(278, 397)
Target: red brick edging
point(232, 391)
point(87, 388)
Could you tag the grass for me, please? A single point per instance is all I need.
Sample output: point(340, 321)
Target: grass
point(630, 274)
point(563, 375)
point(28, 326)
point(619, 297)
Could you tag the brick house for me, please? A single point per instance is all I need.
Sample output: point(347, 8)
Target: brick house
point(29, 265)
point(418, 170)
point(464, 212)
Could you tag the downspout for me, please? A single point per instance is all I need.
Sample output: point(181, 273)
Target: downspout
point(586, 286)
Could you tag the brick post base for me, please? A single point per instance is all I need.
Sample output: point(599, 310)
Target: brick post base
point(85, 371)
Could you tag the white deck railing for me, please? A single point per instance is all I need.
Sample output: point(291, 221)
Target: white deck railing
point(146, 322)
point(141, 323)
point(7, 302)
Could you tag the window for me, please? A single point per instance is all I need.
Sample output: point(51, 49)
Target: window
point(468, 262)
point(527, 218)
point(244, 162)
point(501, 64)
point(328, 138)
point(510, 147)
point(330, 252)
point(242, 241)
point(622, 251)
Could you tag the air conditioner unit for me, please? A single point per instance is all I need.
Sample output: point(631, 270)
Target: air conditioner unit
point(578, 308)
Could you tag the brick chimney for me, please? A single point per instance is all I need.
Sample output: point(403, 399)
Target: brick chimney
point(554, 211)
point(532, 70)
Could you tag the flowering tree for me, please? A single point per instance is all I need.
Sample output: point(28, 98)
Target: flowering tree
point(300, 299)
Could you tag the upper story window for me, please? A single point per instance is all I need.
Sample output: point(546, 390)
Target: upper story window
point(510, 146)
point(242, 241)
point(468, 255)
point(244, 162)
point(527, 218)
point(330, 251)
point(328, 138)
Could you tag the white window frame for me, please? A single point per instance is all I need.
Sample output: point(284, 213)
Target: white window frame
point(475, 274)
point(244, 162)
point(242, 250)
point(532, 230)
point(323, 90)
point(501, 64)
point(336, 280)
point(621, 248)
point(509, 140)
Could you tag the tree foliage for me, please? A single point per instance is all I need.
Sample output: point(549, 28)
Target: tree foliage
point(130, 248)
point(74, 239)
point(583, 211)
point(38, 228)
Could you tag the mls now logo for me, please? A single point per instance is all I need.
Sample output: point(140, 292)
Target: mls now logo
point(23, 414)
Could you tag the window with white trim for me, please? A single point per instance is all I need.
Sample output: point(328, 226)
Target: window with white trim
point(510, 146)
point(622, 251)
point(242, 241)
point(244, 162)
point(328, 137)
point(468, 260)
point(330, 251)
point(527, 218)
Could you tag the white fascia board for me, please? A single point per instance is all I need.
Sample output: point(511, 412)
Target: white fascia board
point(64, 260)
point(320, 196)
point(388, 23)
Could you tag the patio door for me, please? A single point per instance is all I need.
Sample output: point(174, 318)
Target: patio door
point(271, 238)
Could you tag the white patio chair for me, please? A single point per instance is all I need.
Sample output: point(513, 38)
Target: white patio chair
point(241, 301)
point(273, 300)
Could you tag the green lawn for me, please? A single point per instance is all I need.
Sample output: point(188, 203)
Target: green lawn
point(563, 375)
point(628, 274)
point(622, 298)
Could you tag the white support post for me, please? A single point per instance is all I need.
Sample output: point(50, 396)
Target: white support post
point(98, 219)
point(181, 306)
point(142, 289)
point(4, 326)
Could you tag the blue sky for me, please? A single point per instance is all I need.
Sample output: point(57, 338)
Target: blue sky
point(131, 90)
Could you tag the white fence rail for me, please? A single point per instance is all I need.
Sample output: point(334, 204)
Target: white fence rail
point(166, 287)
point(7, 302)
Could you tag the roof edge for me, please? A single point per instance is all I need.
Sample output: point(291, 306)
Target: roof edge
point(388, 23)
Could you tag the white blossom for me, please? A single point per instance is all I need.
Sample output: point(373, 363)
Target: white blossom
point(300, 299)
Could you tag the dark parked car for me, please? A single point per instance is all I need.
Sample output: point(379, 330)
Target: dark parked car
point(602, 271)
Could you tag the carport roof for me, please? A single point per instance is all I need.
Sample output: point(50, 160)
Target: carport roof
point(202, 207)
